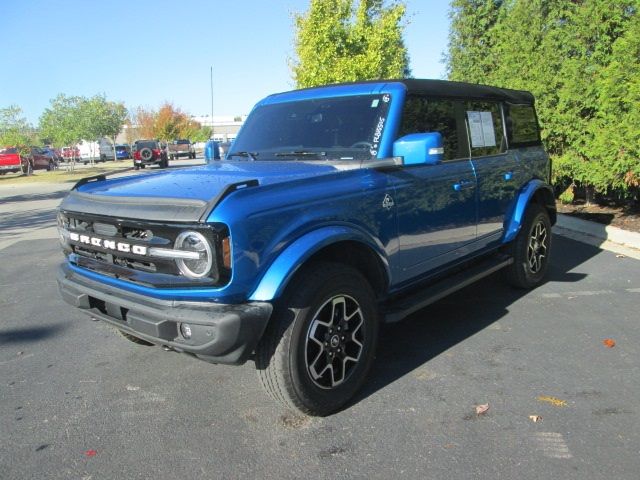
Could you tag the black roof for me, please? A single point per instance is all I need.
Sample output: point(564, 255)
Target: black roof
point(445, 88)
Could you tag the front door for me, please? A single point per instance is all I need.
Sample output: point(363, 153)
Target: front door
point(436, 204)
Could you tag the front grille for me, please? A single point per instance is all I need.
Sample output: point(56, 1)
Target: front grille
point(130, 265)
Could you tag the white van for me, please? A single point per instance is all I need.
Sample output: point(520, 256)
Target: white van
point(88, 151)
point(106, 150)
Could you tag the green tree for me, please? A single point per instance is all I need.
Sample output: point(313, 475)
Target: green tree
point(580, 59)
point(202, 134)
point(15, 130)
point(102, 118)
point(62, 123)
point(471, 55)
point(344, 41)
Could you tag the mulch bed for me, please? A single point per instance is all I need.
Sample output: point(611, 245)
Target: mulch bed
point(626, 217)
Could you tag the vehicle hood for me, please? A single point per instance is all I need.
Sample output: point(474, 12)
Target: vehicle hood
point(185, 194)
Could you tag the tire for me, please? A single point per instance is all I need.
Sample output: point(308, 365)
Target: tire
point(136, 167)
point(530, 250)
point(50, 166)
point(146, 154)
point(27, 168)
point(304, 336)
point(134, 339)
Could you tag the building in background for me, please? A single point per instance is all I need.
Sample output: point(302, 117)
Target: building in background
point(225, 128)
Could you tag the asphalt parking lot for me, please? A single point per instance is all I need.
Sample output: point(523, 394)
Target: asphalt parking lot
point(79, 401)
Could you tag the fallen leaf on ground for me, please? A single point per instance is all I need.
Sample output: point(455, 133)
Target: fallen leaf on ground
point(609, 342)
point(90, 453)
point(482, 409)
point(535, 418)
point(556, 402)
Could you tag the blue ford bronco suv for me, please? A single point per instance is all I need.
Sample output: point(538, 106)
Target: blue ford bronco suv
point(336, 208)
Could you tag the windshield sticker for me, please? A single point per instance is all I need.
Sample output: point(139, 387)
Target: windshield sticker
point(481, 129)
point(375, 103)
point(386, 97)
point(377, 135)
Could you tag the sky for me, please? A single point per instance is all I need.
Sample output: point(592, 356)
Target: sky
point(145, 52)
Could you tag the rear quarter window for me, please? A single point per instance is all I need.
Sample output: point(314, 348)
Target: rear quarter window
point(522, 126)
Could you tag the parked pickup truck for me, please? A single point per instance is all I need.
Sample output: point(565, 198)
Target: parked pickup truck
point(11, 161)
point(181, 148)
point(338, 208)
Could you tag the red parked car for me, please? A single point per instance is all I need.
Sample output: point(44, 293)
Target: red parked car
point(11, 161)
point(42, 159)
point(68, 153)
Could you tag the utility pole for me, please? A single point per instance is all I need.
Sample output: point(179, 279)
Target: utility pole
point(212, 101)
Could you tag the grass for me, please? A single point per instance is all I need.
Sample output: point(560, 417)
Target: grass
point(62, 175)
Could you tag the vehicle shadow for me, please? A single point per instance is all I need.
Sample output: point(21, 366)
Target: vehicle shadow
point(35, 197)
point(407, 345)
point(28, 219)
point(27, 335)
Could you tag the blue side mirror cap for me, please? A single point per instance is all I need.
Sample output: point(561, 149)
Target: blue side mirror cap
point(418, 148)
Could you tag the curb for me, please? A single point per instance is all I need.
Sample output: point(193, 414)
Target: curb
point(605, 236)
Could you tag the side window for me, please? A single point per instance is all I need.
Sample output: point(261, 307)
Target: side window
point(522, 125)
point(484, 124)
point(422, 115)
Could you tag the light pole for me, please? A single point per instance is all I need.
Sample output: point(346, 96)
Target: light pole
point(212, 101)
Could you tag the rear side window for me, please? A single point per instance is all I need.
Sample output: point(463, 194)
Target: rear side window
point(484, 124)
point(522, 125)
point(424, 115)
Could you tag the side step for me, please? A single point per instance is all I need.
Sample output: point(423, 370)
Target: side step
point(444, 287)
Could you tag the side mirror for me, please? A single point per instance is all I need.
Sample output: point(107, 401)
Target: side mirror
point(418, 148)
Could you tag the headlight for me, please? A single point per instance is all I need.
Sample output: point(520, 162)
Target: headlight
point(194, 242)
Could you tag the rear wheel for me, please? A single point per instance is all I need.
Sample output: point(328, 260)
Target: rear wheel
point(27, 168)
point(530, 250)
point(320, 343)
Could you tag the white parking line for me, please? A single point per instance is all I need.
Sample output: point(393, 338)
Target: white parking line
point(552, 445)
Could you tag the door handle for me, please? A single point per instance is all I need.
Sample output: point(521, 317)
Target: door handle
point(508, 176)
point(463, 185)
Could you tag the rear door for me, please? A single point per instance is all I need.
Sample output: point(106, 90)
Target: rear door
point(436, 203)
point(497, 170)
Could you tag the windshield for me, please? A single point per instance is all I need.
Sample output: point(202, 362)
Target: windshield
point(341, 128)
point(9, 150)
point(181, 142)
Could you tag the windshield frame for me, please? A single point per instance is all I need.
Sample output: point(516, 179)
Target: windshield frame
point(311, 105)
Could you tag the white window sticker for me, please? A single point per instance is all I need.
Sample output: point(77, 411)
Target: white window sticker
point(481, 129)
point(375, 103)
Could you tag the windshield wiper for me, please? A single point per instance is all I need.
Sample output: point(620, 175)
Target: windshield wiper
point(250, 155)
point(300, 153)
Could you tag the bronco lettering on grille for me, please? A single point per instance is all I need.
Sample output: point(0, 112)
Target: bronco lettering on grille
point(108, 244)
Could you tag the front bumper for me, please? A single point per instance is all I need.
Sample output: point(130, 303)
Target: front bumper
point(220, 333)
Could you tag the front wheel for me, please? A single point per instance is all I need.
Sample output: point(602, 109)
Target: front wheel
point(321, 340)
point(530, 250)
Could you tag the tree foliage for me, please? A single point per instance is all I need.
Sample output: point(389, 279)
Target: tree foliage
point(15, 131)
point(343, 41)
point(167, 123)
point(581, 60)
point(62, 123)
